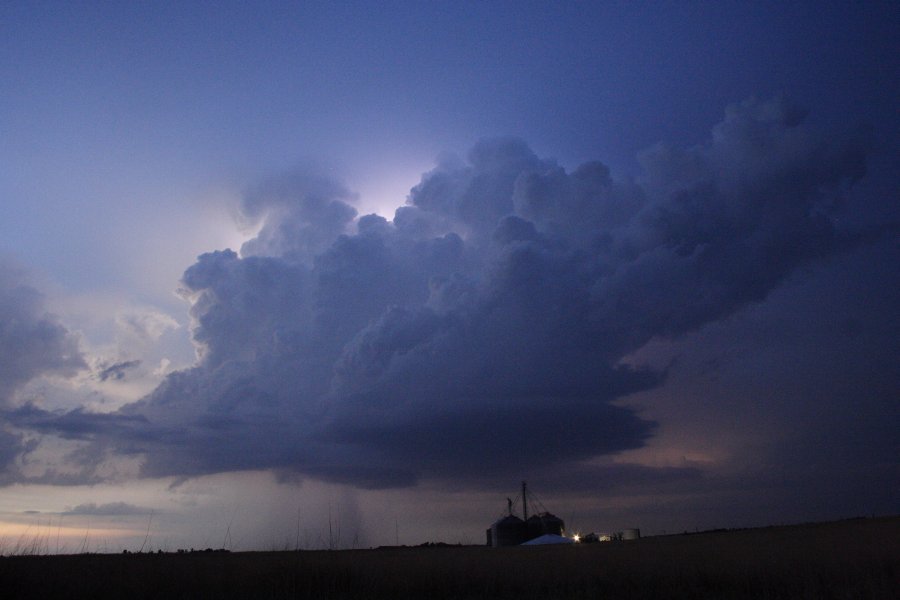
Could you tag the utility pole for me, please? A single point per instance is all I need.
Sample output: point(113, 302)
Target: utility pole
point(524, 502)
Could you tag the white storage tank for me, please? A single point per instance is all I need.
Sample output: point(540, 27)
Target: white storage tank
point(631, 534)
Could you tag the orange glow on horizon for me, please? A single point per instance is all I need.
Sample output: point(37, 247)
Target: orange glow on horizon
point(31, 532)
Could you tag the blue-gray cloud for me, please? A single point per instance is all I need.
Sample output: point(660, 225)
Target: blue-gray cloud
point(116, 371)
point(108, 509)
point(484, 329)
point(32, 343)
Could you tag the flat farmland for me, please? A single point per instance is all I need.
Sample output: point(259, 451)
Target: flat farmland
point(851, 559)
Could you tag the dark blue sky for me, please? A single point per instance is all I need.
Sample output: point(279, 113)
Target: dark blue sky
point(648, 260)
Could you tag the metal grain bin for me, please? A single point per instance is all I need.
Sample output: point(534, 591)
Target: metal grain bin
point(544, 523)
point(508, 531)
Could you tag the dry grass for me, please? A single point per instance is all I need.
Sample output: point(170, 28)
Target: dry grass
point(857, 559)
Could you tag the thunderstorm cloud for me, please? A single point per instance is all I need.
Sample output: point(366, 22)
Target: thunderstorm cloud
point(486, 328)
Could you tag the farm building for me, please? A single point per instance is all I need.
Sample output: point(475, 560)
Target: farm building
point(507, 531)
point(510, 530)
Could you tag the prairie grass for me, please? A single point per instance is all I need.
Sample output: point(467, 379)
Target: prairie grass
point(848, 560)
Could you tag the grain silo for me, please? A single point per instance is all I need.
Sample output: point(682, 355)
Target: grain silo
point(508, 531)
point(631, 534)
point(542, 524)
point(512, 531)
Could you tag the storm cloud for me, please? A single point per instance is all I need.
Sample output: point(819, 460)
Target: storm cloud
point(486, 328)
point(32, 343)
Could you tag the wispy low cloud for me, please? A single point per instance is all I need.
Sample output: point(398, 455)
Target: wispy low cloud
point(484, 329)
point(117, 370)
point(77, 424)
point(108, 510)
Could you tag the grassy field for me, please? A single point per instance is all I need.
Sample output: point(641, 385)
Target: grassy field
point(856, 559)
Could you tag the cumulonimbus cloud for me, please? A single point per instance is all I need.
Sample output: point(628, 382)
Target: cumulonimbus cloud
point(484, 328)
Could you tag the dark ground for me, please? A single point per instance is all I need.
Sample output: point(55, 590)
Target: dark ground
point(854, 559)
